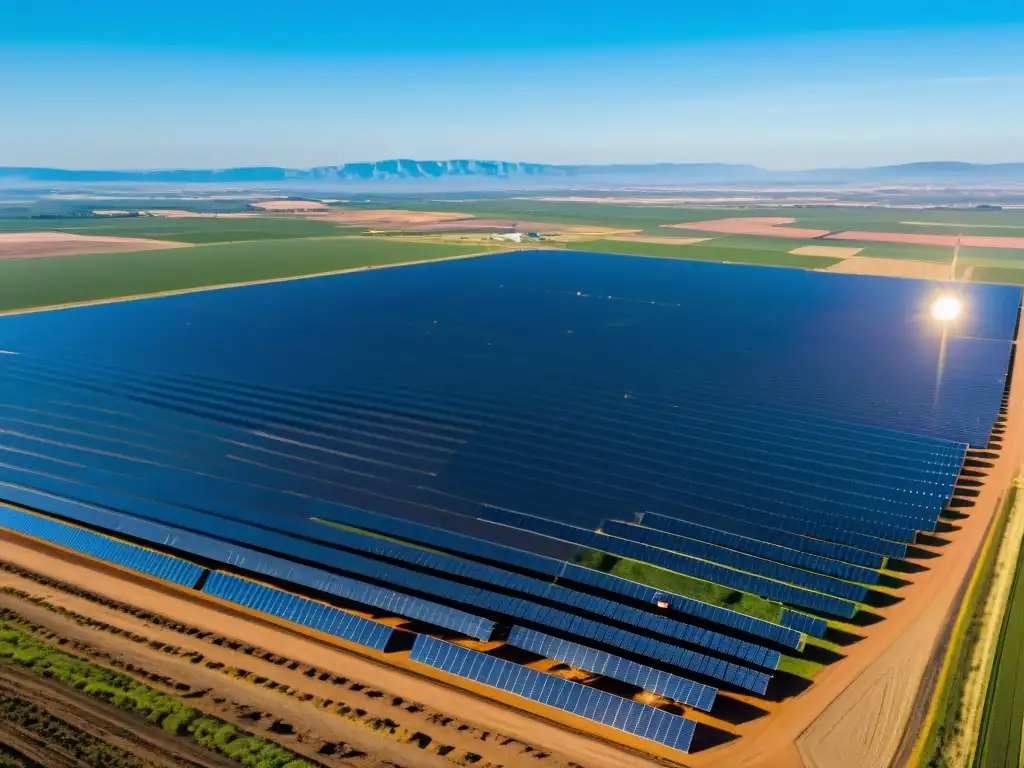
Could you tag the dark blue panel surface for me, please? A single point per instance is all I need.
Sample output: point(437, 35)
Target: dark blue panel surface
point(599, 706)
point(101, 547)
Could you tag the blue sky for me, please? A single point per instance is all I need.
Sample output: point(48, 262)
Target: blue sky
point(785, 85)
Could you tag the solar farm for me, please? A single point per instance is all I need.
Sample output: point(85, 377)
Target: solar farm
point(680, 507)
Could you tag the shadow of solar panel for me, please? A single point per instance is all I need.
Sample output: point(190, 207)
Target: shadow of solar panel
point(101, 547)
point(218, 550)
point(478, 548)
point(298, 610)
point(809, 625)
point(685, 521)
point(685, 533)
point(590, 703)
point(590, 660)
point(689, 566)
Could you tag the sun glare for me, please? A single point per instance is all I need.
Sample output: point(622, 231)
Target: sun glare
point(946, 308)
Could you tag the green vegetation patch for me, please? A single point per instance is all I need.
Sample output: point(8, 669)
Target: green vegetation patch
point(709, 252)
point(26, 283)
point(158, 709)
point(58, 736)
point(678, 584)
point(182, 230)
point(1010, 275)
point(999, 741)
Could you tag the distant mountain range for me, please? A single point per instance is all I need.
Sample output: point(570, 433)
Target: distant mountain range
point(533, 173)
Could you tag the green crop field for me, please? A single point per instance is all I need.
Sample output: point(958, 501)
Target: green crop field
point(1011, 275)
point(213, 230)
point(28, 283)
point(709, 251)
point(999, 743)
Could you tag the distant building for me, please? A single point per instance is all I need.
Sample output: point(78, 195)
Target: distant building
point(513, 237)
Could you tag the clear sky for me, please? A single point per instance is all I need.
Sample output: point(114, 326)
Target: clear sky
point(796, 84)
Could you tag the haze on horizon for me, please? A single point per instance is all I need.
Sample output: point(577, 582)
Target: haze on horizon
point(787, 86)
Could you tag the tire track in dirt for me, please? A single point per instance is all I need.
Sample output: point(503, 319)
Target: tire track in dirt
point(249, 664)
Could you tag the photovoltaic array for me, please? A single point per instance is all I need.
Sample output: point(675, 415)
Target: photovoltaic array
point(590, 703)
point(606, 457)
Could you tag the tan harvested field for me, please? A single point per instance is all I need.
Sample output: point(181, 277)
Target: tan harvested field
point(41, 245)
point(869, 265)
point(174, 213)
point(474, 705)
point(388, 218)
point(831, 251)
point(944, 241)
point(290, 205)
point(767, 226)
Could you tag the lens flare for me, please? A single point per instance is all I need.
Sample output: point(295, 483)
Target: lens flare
point(946, 308)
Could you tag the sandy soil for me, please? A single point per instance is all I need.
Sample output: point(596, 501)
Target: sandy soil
point(832, 251)
point(290, 205)
point(768, 226)
point(883, 674)
point(868, 265)
point(942, 241)
point(196, 611)
point(41, 245)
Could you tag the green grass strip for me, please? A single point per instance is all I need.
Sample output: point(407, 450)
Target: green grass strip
point(127, 693)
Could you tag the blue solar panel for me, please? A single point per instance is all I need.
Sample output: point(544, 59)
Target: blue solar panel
point(809, 625)
point(601, 707)
point(687, 538)
point(776, 535)
point(102, 547)
point(471, 547)
point(299, 610)
point(701, 569)
point(581, 657)
point(241, 557)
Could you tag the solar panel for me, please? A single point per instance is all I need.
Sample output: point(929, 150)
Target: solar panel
point(687, 538)
point(601, 707)
point(244, 558)
point(102, 547)
point(701, 569)
point(809, 625)
point(581, 657)
point(299, 610)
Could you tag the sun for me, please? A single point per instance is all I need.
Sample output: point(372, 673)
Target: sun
point(946, 308)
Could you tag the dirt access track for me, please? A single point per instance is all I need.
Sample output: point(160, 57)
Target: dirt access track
point(562, 745)
point(766, 226)
point(41, 245)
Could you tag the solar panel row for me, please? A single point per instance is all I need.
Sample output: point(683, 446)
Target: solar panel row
point(530, 561)
point(218, 550)
point(549, 592)
point(689, 566)
point(601, 707)
point(442, 589)
point(763, 532)
point(101, 547)
point(685, 533)
point(590, 660)
point(299, 610)
point(809, 625)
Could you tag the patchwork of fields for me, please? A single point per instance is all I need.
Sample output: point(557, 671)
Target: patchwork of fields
point(535, 475)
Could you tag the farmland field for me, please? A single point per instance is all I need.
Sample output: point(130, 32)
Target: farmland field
point(26, 283)
point(183, 230)
point(737, 252)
